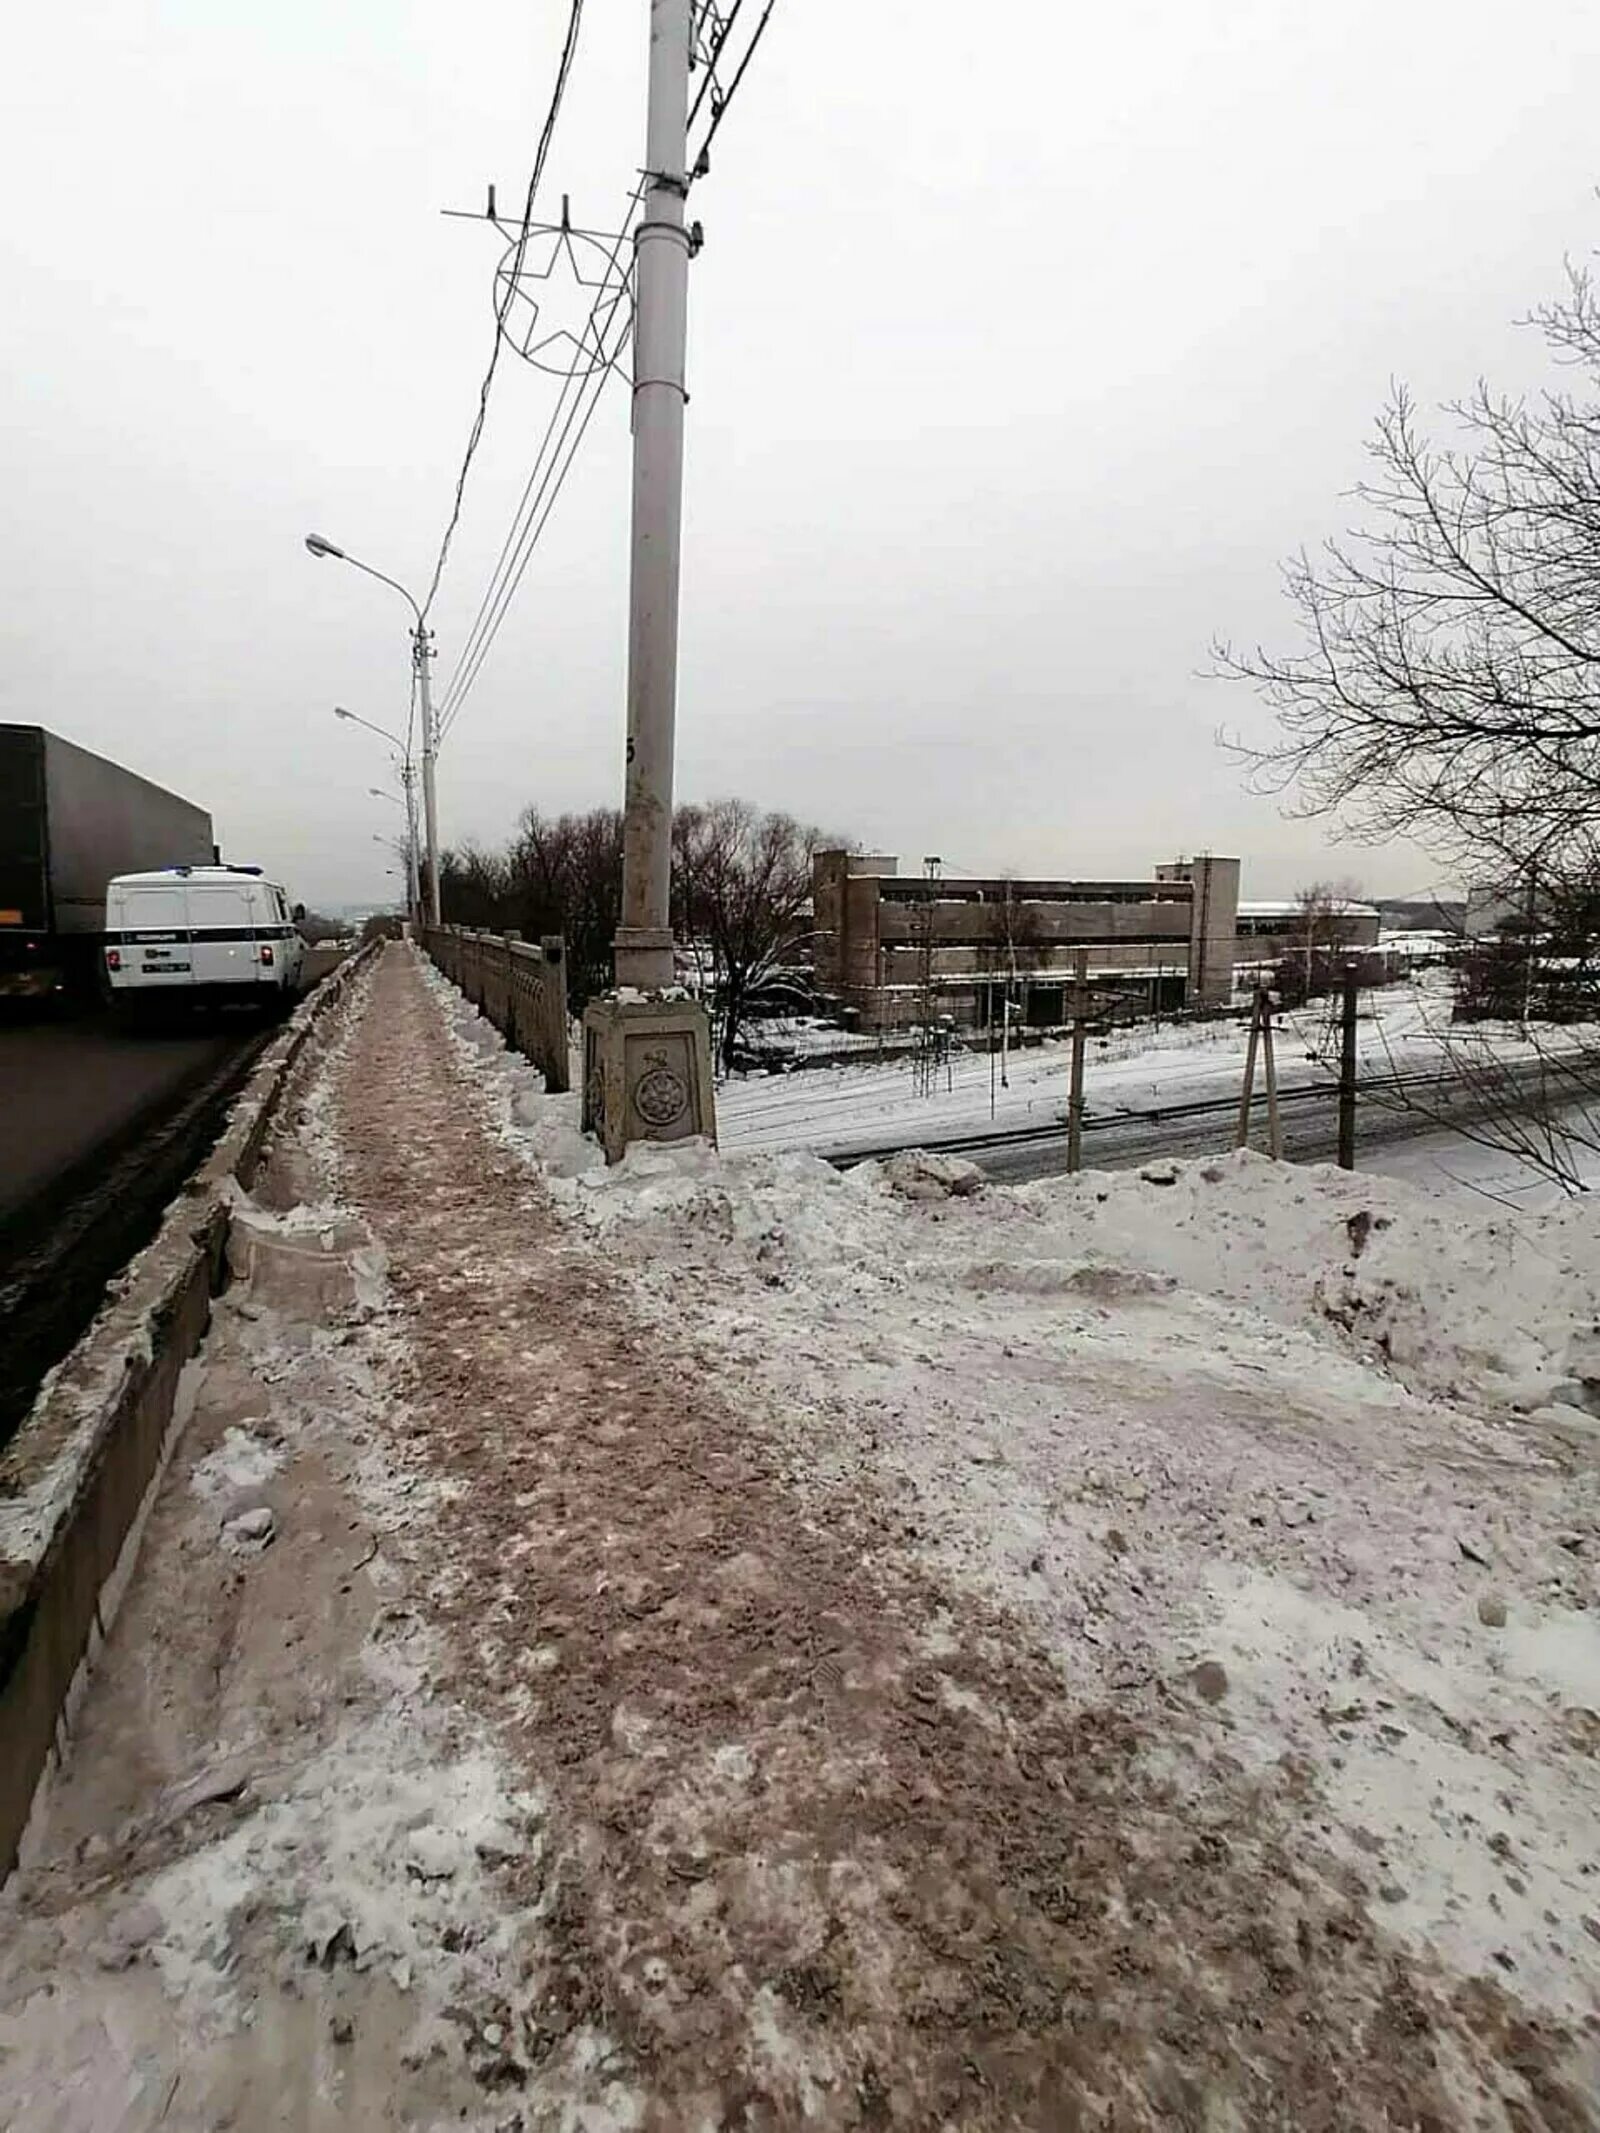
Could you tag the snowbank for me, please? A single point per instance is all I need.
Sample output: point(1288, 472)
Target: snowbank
point(1299, 1465)
point(1469, 1303)
point(1472, 1306)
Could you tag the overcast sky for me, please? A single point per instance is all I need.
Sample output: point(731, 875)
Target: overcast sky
point(1024, 344)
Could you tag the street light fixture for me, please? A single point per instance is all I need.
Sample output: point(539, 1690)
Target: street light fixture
point(408, 779)
point(421, 654)
point(382, 732)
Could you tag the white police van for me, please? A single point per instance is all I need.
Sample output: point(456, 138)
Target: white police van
point(196, 935)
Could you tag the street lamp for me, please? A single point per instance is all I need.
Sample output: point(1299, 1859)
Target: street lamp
point(408, 779)
point(421, 653)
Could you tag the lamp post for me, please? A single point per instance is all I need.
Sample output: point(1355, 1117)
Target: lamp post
point(379, 792)
point(408, 780)
point(421, 653)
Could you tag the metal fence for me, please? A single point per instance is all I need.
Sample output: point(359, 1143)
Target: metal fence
point(520, 987)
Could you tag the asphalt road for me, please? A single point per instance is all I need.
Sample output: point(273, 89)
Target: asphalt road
point(68, 1087)
point(71, 1086)
point(98, 1129)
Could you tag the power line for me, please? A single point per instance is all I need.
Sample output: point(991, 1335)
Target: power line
point(708, 87)
point(541, 153)
point(601, 362)
point(720, 104)
point(544, 503)
point(527, 504)
point(553, 461)
point(533, 508)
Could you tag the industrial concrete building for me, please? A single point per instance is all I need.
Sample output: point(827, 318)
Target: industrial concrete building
point(1272, 930)
point(886, 941)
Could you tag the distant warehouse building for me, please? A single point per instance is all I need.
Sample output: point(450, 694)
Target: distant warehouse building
point(884, 940)
point(1270, 931)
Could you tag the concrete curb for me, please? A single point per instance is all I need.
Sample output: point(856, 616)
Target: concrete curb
point(77, 1480)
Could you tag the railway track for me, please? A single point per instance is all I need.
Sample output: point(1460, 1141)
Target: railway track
point(1394, 1090)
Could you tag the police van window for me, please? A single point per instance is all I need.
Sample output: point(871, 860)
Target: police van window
point(150, 910)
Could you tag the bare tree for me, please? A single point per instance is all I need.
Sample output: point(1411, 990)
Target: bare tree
point(566, 877)
point(1447, 682)
point(1011, 953)
point(1446, 687)
point(559, 874)
point(742, 891)
point(474, 887)
point(741, 894)
point(1324, 926)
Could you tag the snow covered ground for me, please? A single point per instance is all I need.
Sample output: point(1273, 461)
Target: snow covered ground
point(836, 1110)
point(749, 1644)
point(1318, 1443)
point(1449, 1163)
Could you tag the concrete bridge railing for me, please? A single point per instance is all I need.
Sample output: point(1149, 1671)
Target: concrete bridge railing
point(521, 988)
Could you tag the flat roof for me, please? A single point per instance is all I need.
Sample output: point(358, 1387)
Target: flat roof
point(1291, 907)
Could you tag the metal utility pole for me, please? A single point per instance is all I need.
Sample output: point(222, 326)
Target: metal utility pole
point(430, 748)
point(661, 299)
point(647, 1054)
point(1347, 1071)
point(1241, 1138)
point(925, 1074)
point(1080, 977)
point(408, 779)
point(421, 653)
point(1269, 1061)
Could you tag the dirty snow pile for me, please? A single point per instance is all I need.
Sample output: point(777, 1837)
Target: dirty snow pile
point(1320, 1445)
point(290, 1804)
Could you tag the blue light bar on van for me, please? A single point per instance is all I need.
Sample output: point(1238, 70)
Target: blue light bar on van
point(187, 869)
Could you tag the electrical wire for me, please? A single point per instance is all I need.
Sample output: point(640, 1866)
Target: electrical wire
point(533, 507)
point(514, 532)
point(719, 110)
point(709, 86)
point(553, 461)
point(544, 503)
point(541, 153)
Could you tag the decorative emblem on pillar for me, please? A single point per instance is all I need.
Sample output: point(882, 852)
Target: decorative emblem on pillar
point(661, 1095)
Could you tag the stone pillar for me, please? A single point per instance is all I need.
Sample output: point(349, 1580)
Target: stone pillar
point(646, 1071)
point(553, 1040)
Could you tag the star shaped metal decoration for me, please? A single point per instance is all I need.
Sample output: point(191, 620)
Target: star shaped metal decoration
point(544, 259)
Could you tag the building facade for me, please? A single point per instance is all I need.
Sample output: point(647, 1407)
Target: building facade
point(890, 947)
point(1272, 931)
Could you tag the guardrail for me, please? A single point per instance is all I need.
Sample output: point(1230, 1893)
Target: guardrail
point(521, 988)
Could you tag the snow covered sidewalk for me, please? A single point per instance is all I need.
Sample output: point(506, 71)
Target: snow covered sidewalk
point(738, 1645)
